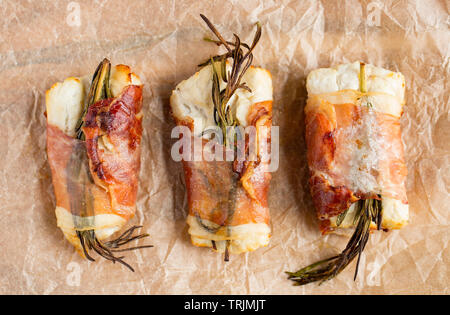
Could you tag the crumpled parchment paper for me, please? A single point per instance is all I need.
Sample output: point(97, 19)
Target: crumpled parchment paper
point(42, 42)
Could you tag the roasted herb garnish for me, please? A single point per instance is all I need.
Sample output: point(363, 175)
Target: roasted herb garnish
point(99, 90)
point(89, 241)
point(367, 211)
point(241, 61)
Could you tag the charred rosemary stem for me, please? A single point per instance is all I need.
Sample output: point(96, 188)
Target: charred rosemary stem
point(367, 211)
point(106, 250)
point(227, 251)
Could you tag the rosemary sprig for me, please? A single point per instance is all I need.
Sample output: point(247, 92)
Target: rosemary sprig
point(367, 211)
point(223, 115)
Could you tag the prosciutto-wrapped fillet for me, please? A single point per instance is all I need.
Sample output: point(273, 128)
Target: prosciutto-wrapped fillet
point(227, 199)
point(94, 154)
point(355, 156)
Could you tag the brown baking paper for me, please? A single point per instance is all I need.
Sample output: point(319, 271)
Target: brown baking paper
point(42, 42)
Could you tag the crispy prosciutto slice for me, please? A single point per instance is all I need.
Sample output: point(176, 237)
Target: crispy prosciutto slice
point(355, 157)
point(94, 155)
point(113, 130)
